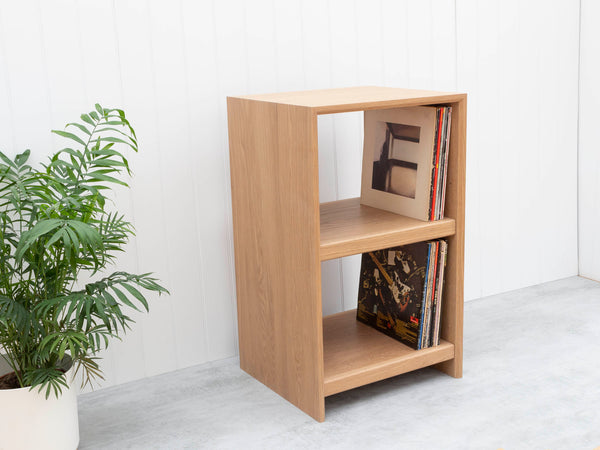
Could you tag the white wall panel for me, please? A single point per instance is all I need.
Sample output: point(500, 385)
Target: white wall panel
point(133, 25)
point(170, 65)
point(558, 127)
point(124, 361)
point(468, 74)
point(26, 80)
point(176, 179)
point(589, 139)
point(394, 42)
point(289, 45)
point(207, 166)
point(230, 52)
point(518, 62)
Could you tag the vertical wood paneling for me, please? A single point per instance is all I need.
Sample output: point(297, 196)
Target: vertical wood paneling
point(135, 47)
point(369, 40)
point(558, 135)
point(317, 74)
point(509, 133)
point(26, 81)
point(467, 81)
point(170, 66)
point(528, 120)
point(443, 31)
point(259, 21)
point(331, 271)
point(394, 36)
point(345, 67)
point(200, 64)
point(344, 72)
point(63, 53)
point(419, 16)
point(177, 180)
point(104, 85)
point(316, 44)
point(230, 51)
point(6, 116)
point(64, 64)
point(488, 39)
point(209, 172)
point(370, 71)
point(289, 46)
point(511, 62)
point(589, 136)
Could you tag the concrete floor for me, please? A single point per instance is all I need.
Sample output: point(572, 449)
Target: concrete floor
point(531, 381)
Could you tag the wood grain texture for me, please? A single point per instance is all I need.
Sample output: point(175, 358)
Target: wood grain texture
point(361, 98)
point(349, 228)
point(356, 354)
point(281, 233)
point(274, 182)
point(453, 294)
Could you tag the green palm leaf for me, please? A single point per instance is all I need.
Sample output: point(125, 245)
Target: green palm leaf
point(55, 226)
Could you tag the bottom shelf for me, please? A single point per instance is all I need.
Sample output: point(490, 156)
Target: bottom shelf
point(356, 354)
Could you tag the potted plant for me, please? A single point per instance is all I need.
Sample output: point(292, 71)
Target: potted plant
point(56, 230)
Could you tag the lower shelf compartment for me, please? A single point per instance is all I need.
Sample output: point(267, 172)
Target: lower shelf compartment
point(356, 354)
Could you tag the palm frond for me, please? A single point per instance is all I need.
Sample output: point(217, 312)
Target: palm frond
point(55, 225)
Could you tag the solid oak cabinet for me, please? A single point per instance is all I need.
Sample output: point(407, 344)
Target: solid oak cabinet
point(282, 233)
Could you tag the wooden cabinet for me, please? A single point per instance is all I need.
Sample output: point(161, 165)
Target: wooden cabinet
point(282, 233)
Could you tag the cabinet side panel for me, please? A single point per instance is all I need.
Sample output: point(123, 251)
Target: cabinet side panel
point(453, 303)
point(274, 180)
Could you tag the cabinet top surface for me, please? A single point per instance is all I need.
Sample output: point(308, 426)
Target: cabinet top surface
point(325, 101)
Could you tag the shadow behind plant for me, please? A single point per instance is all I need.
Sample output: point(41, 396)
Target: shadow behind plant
point(54, 226)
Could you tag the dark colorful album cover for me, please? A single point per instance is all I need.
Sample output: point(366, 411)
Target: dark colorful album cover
point(390, 294)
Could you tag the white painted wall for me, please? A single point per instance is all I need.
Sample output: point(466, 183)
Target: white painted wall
point(589, 142)
point(170, 65)
point(518, 61)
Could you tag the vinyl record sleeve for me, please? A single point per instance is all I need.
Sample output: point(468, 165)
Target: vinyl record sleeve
point(398, 160)
point(391, 290)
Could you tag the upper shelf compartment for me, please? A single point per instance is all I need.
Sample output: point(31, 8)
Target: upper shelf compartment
point(349, 228)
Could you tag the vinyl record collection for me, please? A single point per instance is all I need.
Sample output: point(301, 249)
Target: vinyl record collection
point(405, 160)
point(400, 292)
point(440, 163)
point(405, 166)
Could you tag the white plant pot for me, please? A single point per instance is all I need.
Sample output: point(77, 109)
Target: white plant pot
point(29, 421)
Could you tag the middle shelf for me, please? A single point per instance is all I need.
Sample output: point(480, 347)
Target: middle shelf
point(349, 228)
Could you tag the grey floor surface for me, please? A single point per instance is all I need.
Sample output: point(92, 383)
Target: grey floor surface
point(531, 381)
